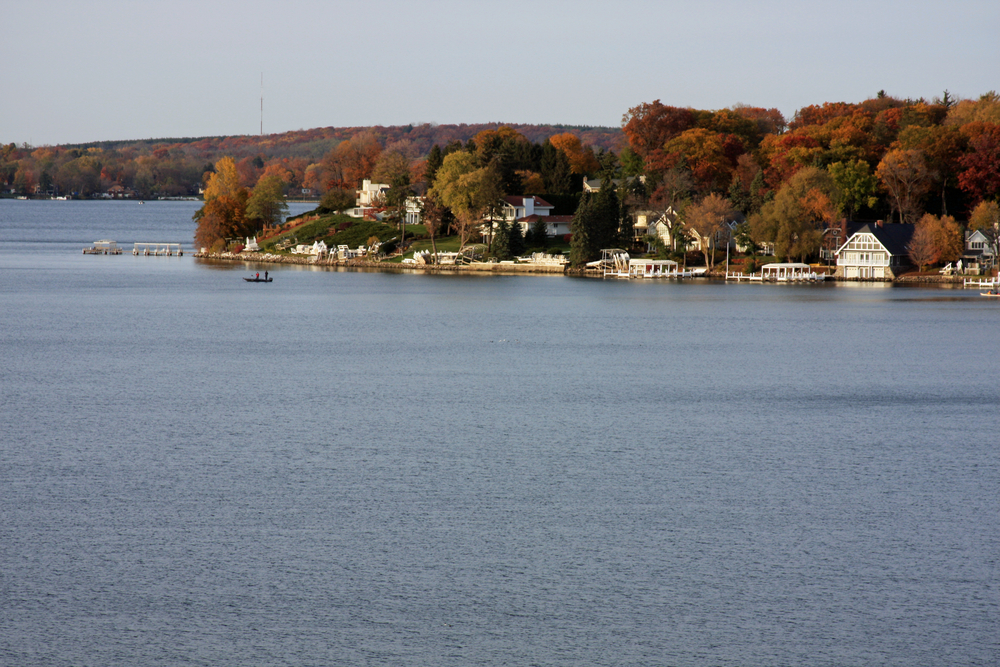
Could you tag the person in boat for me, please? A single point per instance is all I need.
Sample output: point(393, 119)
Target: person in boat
point(257, 277)
point(265, 275)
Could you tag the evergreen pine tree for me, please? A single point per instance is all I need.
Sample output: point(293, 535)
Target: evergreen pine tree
point(582, 248)
point(539, 234)
point(607, 217)
point(501, 241)
point(434, 161)
point(739, 197)
point(759, 195)
point(515, 239)
point(555, 169)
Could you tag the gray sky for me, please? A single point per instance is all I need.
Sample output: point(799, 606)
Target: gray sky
point(88, 70)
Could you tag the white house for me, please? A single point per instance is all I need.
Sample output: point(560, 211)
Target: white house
point(555, 225)
point(650, 225)
point(367, 195)
point(526, 211)
point(515, 208)
point(414, 207)
point(875, 252)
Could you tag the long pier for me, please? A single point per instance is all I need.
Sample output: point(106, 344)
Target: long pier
point(979, 282)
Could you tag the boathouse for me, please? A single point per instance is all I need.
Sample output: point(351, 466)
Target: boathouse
point(875, 252)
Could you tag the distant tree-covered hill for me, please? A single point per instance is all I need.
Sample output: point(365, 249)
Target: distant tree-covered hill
point(315, 143)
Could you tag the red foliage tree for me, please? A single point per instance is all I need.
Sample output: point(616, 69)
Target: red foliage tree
point(650, 125)
point(980, 175)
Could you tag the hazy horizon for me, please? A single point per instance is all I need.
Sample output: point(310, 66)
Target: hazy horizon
point(116, 71)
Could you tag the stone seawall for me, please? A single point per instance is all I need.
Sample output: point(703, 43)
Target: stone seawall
point(505, 268)
point(474, 267)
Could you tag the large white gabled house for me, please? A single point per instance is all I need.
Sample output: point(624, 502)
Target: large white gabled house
point(526, 211)
point(368, 195)
point(875, 252)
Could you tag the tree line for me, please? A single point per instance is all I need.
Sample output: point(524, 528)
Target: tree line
point(177, 167)
point(791, 186)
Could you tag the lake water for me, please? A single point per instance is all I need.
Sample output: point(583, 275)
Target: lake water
point(363, 468)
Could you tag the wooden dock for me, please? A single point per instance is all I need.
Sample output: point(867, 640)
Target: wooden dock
point(158, 249)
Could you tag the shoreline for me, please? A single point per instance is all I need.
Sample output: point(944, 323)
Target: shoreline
point(473, 267)
point(515, 269)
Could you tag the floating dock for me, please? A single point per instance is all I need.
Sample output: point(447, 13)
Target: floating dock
point(155, 249)
point(781, 272)
point(103, 247)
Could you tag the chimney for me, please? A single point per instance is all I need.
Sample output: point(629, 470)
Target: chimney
point(529, 206)
point(878, 223)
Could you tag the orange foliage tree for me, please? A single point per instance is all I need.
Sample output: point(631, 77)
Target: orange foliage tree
point(352, 161)
point(581, 160)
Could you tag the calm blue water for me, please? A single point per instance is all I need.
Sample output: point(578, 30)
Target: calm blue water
point(383, 469)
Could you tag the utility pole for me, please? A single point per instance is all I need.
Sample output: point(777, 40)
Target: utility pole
point(262, 104)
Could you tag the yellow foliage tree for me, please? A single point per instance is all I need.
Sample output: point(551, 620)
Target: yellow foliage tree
point(223, 216)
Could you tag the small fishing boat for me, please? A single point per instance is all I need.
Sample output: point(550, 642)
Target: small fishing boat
point(258, 280)
point(992, 292)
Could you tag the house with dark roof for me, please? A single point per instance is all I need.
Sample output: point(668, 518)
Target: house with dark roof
point(515, 208)
point(526, 211)
point(594, 184)
point(978, 249)
point(875, 252)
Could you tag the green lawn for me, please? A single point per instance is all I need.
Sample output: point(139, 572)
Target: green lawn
point(338, 229)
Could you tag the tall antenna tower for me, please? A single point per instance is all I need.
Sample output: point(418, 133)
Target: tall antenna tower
point(262, 104)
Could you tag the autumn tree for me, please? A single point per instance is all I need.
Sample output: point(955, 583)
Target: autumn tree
point(649, 126)
point(769, 121)
point(904, 176)
point(435, 217)
point(922, 249)
point(857, 186)
point(499, 150)
point(465, 188)
point(986, 109)
point(707, 154)
point(391, 165)
point(949, 239)
point(796, 219)
point(708, 219)
point(942, 149)
point(337, 199)
point(353, 160)
point(747, 190)
point(980, 175)
point(581, 159)
point(223, 215)
point(266, 206)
